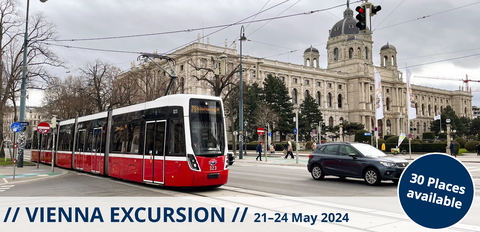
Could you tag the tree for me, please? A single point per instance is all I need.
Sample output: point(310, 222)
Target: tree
point(100, 77)
point(277, 98)
point(447, 113)
point(207, 72)
point(11, 53)
point(310, 115)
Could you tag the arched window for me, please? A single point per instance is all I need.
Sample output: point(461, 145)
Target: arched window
point(330, 122)
point(416, 108)
point(393, 59)
point(335, 54)
point(423, 109)
point(318, 98)
point(436, 112)
point(441, 109)
point(366, 53)
point(341, 119)
point(385, 60)
point(371, 101)
point(294, 96)
point(315, 63)
point(350, 53)
point(308, 62)
point(329, 100)
point(339, 101)
point(389, 127)
point(380, 128)
point(388, 103)
point(306, 93)
point(429, 112)
point(359, 52)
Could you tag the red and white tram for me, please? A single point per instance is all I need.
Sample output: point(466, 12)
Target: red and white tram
point(176, 140)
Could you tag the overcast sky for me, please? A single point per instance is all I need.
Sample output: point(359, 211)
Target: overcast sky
point(449, 32)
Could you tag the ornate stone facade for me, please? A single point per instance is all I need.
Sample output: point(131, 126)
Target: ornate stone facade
point(344, 89)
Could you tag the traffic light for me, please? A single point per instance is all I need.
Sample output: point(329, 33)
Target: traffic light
point(375, 9)
point(361, 18)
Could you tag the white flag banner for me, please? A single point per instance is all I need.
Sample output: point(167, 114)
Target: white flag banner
point(401, 138)
point(378, 96)
point(437, 117)
point(412, 111)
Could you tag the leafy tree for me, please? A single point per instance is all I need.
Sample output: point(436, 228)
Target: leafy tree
point(310, 115)
point(277, 98)
point(447, 113)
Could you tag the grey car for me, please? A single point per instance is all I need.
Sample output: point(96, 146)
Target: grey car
point(355, 160)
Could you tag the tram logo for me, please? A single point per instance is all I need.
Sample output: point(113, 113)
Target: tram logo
point(212, 162)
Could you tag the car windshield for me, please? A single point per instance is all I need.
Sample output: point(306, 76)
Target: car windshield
point(368, 150)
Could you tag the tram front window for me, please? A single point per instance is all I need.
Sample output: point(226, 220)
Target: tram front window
point(207, 129)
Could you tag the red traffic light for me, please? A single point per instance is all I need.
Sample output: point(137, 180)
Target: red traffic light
point(360, 9)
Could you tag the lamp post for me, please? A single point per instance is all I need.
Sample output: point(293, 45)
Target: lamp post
point(296, 128)
point(23, 90)
point(240, 105)
point(448, 136)
point(246, 137)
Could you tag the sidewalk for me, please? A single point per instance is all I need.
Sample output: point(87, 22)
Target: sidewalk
point(278, 158)
point(27, 173)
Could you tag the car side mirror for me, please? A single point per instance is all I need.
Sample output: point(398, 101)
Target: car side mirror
point(353, 155)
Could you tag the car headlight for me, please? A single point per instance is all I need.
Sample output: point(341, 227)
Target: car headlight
point(387, 164)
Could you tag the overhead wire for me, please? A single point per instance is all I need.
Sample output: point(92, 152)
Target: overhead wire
point(390, 14)
point(272, 19)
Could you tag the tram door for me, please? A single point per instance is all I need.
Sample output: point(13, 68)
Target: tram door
point(154, 152)
point(80, 149)
point(97, 150)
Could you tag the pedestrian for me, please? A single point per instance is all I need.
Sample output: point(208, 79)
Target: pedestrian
point(314, 145)
point(452, 148)
point(272, 148)
point(259, 150)
point(289, 148)
point(478, 149)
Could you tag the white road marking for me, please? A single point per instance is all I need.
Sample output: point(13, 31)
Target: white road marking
point(6, 181)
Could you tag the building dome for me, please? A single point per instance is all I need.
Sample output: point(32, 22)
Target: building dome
point(346, 26)
point(388, 46)
point(311, 49)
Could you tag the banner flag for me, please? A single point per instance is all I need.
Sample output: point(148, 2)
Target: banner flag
point(378, 96)
point(412, 111)
point(437, 117)
point(401, 138)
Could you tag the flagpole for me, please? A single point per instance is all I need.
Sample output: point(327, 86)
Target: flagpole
point(408, 117)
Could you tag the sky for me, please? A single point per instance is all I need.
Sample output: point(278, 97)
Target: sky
point(434, 38)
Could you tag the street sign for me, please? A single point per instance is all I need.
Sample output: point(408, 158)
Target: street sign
point(16, 127)
point(260, 131)
point(43, 127)
point(313, 131)
point(410, 136)
point(295, 131)
point(367, 134)
point(24, 124)
point(269, 134)
point(235, 133)
point(375, 128)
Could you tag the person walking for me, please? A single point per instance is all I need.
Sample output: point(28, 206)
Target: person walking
point(478, 149)
point(452, 148)
point(259, 150)
point(289, 148)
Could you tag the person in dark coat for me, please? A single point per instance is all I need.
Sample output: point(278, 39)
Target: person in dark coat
point(259, 150)
point(478, 149)
point(452, 148)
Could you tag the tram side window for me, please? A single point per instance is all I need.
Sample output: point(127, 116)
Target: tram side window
point(118, 127)
point(126, 135)
point(35, 140)
point(177, 138)
point(65, 138)
point(46, 141)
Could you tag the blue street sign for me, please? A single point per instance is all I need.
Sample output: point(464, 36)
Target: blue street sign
point(367, 134)
point(269, 134)
point(295, 131)
point(16, 127)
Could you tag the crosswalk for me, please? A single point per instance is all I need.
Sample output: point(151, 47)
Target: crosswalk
point(3, 188)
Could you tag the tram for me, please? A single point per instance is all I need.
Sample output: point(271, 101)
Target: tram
point(176, 140)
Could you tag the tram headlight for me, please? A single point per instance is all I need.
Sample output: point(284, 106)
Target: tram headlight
point(192, 162)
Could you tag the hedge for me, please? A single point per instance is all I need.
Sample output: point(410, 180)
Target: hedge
point(461, 141)
point(471, 146)
point(421, 147)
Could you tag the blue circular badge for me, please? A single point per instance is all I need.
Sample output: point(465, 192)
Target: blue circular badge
point(436, 191)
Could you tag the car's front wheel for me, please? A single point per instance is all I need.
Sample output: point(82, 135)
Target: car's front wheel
point(317, 172)
point(372, 177)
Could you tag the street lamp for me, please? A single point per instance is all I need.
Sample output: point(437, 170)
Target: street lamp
point(297, 108)
point(23, 90)
point(240, 105)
